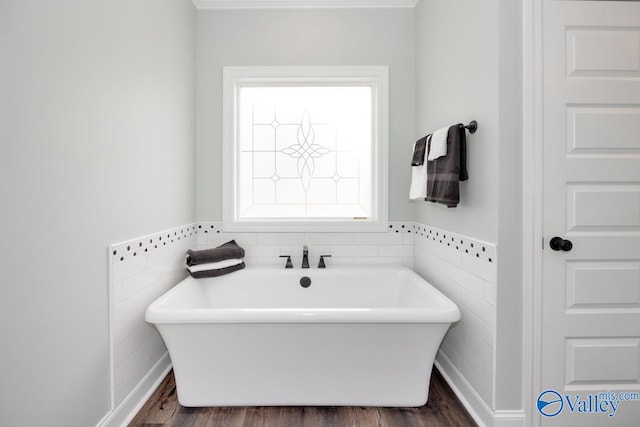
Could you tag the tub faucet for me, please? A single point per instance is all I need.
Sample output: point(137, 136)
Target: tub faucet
point(305, 257)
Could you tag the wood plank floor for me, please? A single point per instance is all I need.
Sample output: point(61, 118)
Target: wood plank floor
point(443, 409)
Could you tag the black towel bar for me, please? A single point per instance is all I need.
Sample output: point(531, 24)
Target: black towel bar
point(472, 126)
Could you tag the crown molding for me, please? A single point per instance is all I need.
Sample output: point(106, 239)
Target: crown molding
point(303, 4)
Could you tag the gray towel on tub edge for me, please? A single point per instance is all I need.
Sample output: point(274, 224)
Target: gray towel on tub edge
point(217, 272)
point(229, 250)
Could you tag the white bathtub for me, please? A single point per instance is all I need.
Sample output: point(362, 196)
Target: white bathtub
point(355, 337)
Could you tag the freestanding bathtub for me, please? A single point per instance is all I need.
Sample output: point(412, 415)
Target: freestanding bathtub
point(354, 337)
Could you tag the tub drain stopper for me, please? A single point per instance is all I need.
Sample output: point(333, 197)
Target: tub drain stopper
point(305, 282)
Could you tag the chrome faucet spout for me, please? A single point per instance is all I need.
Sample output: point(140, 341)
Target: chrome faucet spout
point(305, 257)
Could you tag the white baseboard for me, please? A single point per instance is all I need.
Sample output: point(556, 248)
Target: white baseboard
point(481, 413)
point(509, 419)
point(474, 404)
point(121, 415)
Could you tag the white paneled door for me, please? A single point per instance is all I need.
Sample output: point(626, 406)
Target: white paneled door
point(591, 261)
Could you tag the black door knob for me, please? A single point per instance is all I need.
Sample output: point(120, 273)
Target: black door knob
point(560, 244)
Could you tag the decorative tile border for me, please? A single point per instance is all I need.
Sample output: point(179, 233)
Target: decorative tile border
point(133, 248)
point(401, 227)
point(209, 227)
point(481, 250)
point(120, 252)
point(216, 227)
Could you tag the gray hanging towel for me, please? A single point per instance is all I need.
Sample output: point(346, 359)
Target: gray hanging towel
point(445, 173)
point(419, 152)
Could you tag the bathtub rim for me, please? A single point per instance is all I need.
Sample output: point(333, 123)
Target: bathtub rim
point(448, 313)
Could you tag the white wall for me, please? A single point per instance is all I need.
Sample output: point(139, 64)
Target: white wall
point(97, 129)
point(303, 37)
point(469, 66)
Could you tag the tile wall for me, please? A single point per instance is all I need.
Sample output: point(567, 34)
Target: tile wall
point(141, 270)
point(393, 247)
point(465, 270)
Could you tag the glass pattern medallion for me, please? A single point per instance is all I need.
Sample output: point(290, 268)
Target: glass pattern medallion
point(305, 152)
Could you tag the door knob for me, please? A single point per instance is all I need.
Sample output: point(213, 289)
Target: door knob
point(560, 244)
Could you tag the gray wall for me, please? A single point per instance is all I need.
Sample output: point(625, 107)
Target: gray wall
point(509, 322)
point(457, 81)
point(97, 145)
point(469, 66)
point(303, 37)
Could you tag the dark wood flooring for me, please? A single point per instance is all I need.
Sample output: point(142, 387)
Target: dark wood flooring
point(443, 409)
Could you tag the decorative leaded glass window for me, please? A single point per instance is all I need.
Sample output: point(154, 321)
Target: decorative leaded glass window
point(305, 148)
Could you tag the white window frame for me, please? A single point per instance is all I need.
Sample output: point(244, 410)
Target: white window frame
point(377, 77)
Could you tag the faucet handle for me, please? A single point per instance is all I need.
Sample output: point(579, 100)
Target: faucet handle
point(321, 264)
point(289, 263)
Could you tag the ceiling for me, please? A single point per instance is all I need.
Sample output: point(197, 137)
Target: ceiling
point(302, 4)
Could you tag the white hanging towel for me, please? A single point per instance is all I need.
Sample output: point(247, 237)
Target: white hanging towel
point(438, 144)
point(418, 188)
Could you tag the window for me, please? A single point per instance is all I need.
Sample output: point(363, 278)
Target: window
point(305, 148)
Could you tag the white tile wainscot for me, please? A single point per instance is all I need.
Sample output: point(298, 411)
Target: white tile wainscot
point(465, 270)
point(140, 270)
point(395, 246)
